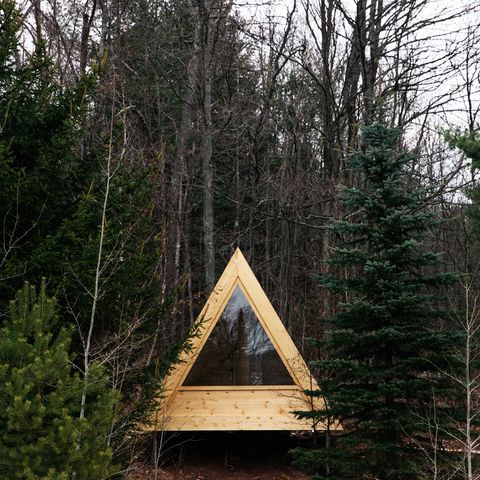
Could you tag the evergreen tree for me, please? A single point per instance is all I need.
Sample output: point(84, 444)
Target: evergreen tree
point(41, 434)
point(383, 347)
point(467, 381)
point(469, 144)
point(51, 198)
point(42, 177)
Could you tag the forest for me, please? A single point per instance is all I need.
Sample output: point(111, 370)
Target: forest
point(335, 142)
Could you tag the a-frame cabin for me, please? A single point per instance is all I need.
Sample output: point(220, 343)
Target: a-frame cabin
point(243, 371)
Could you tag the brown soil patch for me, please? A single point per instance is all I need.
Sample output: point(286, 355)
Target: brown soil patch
point(214, 471)
point(224, 456)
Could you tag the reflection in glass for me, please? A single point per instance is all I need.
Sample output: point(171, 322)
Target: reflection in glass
point(238, 351)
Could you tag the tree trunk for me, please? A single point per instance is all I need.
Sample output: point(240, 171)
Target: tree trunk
point(205, 76)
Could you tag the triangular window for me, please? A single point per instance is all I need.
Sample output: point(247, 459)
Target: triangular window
point(238, 351)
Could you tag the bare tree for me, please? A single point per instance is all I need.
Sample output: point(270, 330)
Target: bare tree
point(467, 378)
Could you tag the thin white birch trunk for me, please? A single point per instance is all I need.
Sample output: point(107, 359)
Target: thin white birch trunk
point(95, 295)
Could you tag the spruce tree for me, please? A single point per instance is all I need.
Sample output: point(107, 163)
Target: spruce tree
point(469, 144)
point(468, 319)
point(53, 149)
point(42, 177)
point(383, 346)
point(41, 434)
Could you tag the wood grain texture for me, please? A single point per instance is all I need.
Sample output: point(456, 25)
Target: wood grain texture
point(248, 409)
point(237, 407)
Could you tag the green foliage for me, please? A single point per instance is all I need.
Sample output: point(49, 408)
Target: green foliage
point(469, 144)
point(41, 176)
point(9, 18)
point(42, 436)
point(383, 346)
point(129, 305)
point(53, 149)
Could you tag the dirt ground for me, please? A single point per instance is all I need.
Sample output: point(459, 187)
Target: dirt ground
point(213, 471)
point(225, 456)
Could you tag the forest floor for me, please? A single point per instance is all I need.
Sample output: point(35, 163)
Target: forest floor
point(226, 456)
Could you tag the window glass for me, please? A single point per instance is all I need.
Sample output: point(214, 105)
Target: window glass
point(238, 351)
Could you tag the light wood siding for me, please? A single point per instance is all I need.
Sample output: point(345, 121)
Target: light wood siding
point(240, 409)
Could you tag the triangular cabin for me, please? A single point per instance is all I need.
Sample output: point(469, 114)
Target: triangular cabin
point(243, 371)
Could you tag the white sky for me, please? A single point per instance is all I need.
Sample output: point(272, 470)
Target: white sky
point(446, 34)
